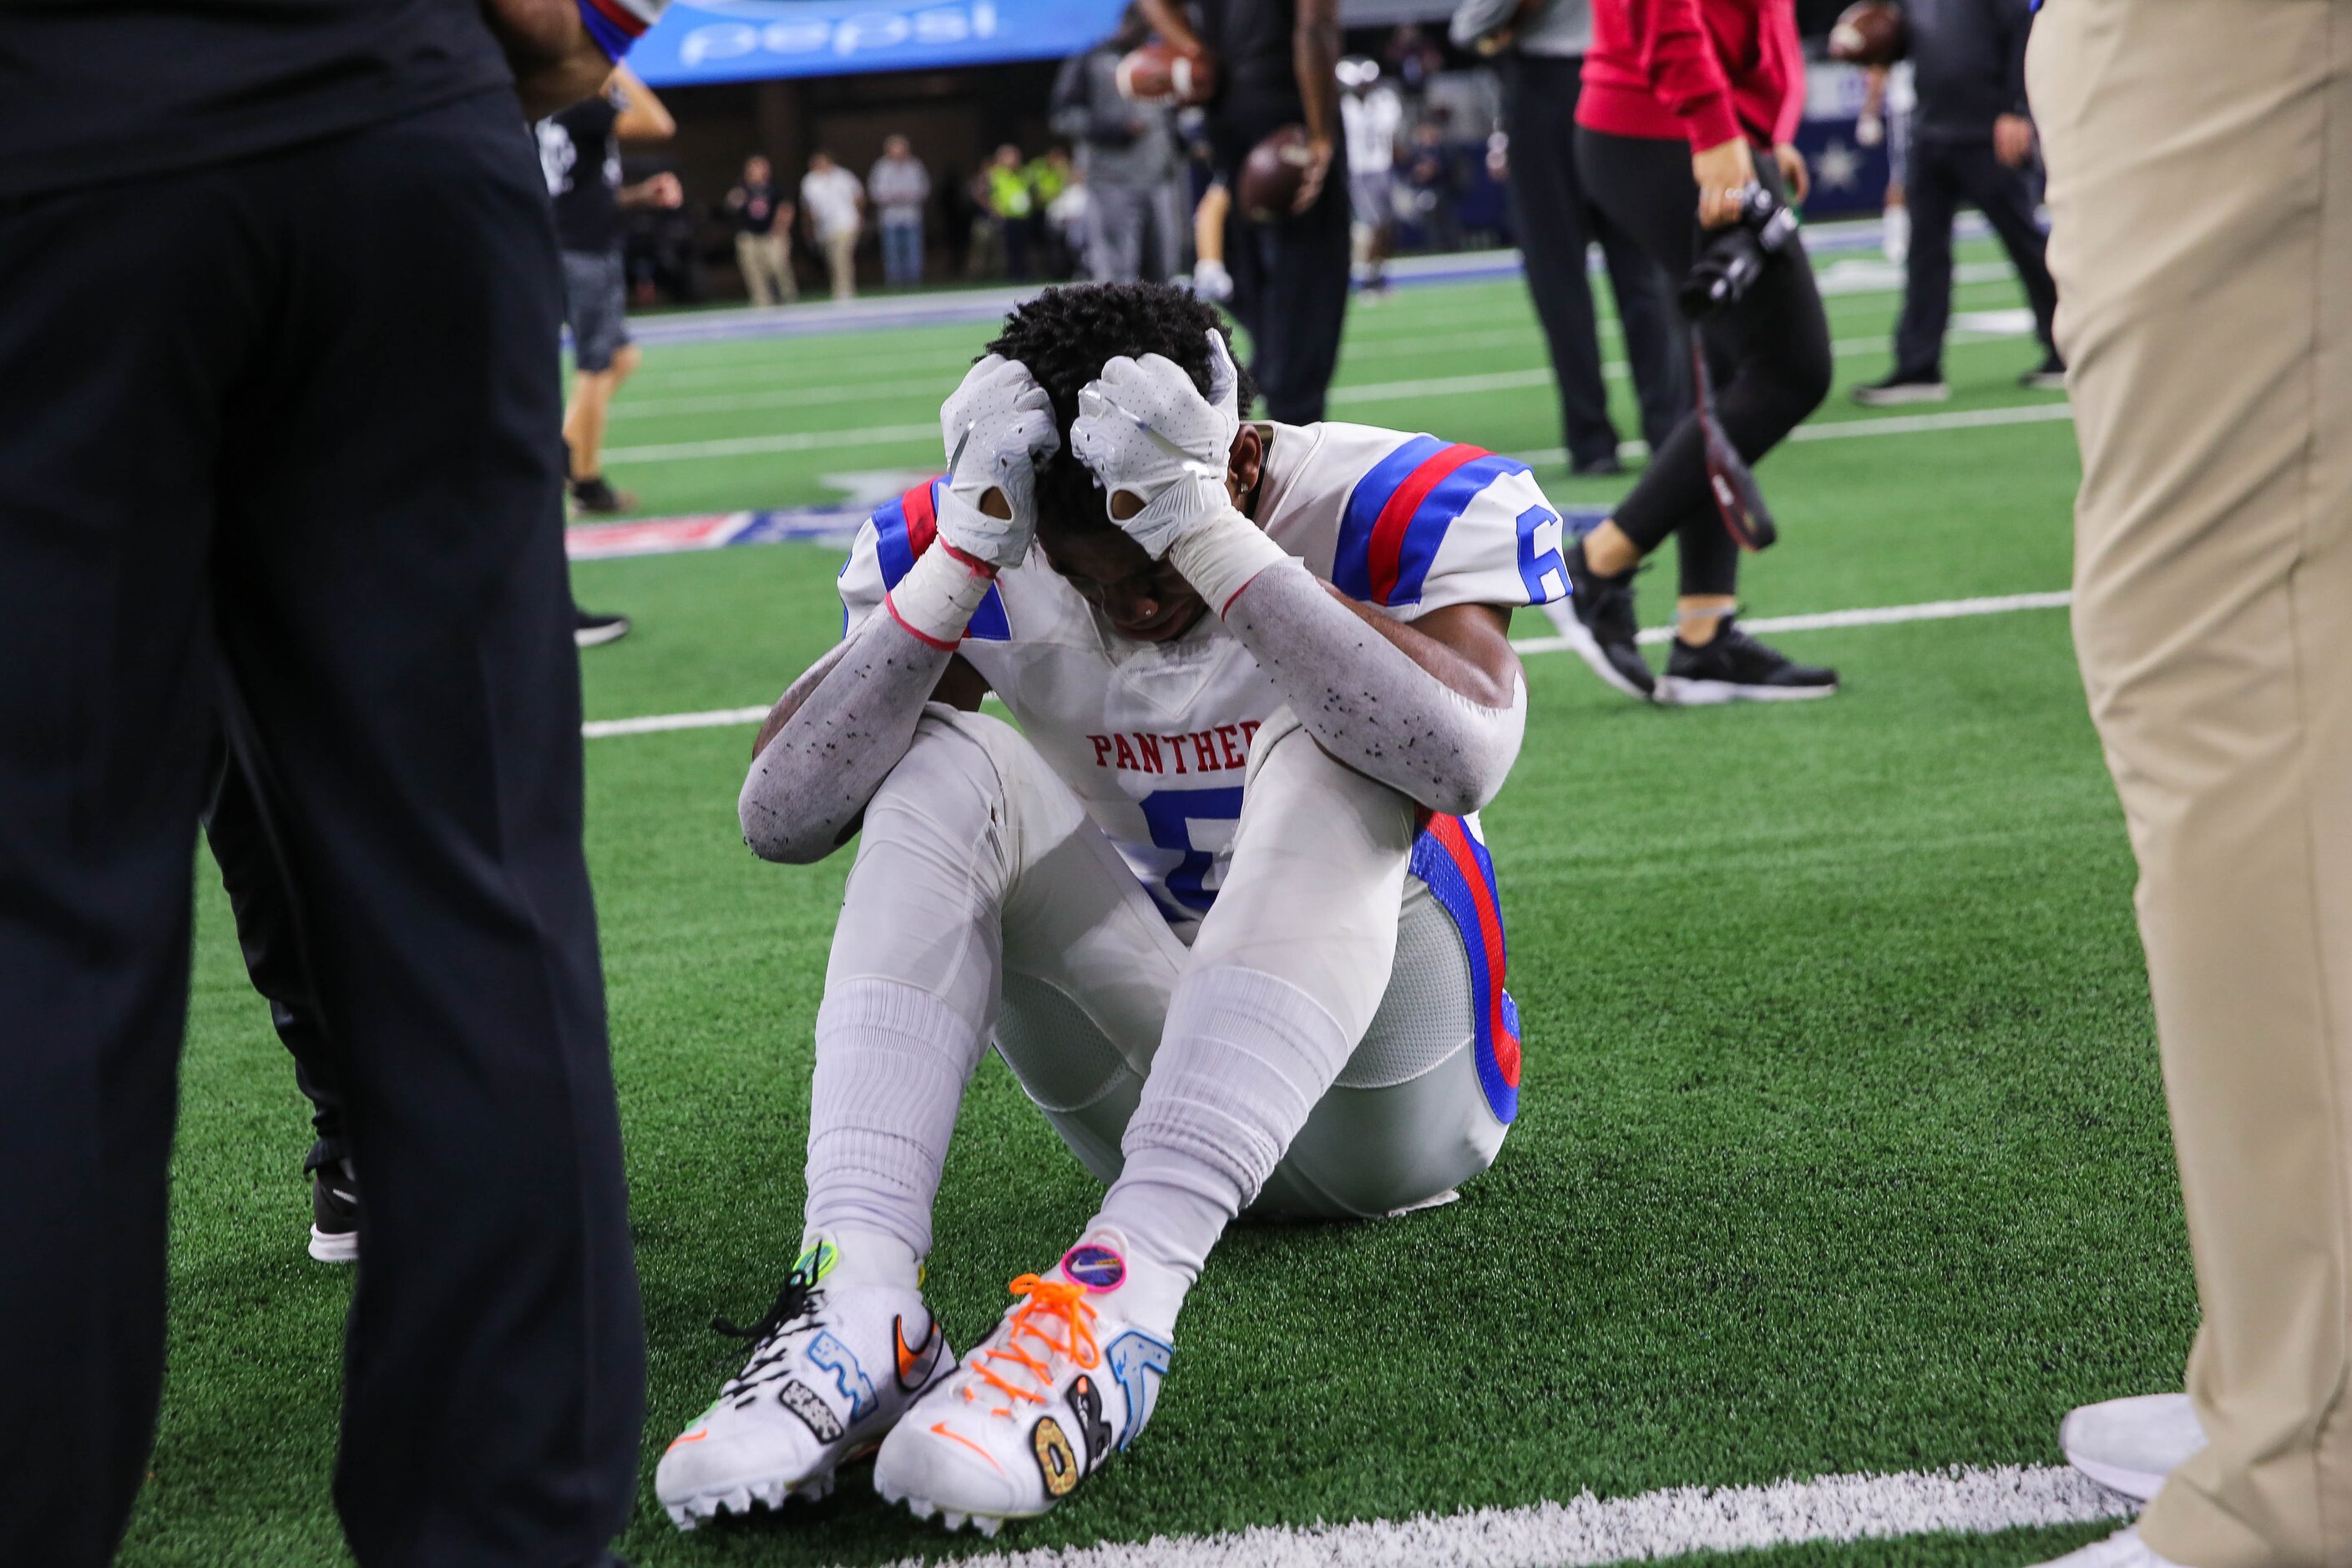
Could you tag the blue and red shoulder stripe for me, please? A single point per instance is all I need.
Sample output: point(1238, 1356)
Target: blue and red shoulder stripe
point(904, 529)
point(617, 24)
point(1399, 512)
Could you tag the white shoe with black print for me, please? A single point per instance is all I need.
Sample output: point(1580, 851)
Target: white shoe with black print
point(1064, 1382)
point(833, 1369)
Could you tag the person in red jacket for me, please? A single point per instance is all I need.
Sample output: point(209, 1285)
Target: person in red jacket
point(1686, 105)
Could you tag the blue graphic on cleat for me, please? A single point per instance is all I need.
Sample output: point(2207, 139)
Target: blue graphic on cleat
point(830, 1353)
point(1130, 1357)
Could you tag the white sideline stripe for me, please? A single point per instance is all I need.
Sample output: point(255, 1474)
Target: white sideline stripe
point(1587, 1530)
point(1886, 615)
point(1377, 392)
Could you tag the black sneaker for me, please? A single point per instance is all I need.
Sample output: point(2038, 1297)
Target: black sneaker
point(590, 629)
point(1900, 388)
point(596, 498)
point(1735, 668)
point(1607, 466)
point(2049, 377)
point(1598, 623)
point(335, 1212)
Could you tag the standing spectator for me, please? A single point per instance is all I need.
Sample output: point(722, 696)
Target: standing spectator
point(1129, 156)
point(1013, 206)
point(1412, 59)
point(1683, 115)
point(303, 484)
point(1539, 50)
point(1433, 184)
point(1371, 114)
point(1972, 136)
point(2201, 231)
point(580, 154)
point(1276, 65)
point(762, 229)
point(1050, 176)
point(899, 187)
point(835, 204)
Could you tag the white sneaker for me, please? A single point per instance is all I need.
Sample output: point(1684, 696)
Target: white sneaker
point(2124, 1549)
point(2130, 1445)
point(1066, 1379)
point(833, 1369)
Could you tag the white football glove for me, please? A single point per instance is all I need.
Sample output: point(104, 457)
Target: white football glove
point(1211, 282)
point(997, 427)
point(1144, 428)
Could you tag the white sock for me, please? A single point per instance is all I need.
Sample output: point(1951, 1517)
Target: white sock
point(1244, 1058)
point(866, 1257)
point(891, 1064)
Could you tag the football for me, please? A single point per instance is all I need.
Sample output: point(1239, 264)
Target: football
point(1870, 32)
point(1271, 174)
point(1160, 74)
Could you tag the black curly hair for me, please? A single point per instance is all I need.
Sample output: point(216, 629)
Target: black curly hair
point(1065, 335)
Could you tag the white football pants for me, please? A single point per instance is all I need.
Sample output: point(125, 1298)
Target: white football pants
point(988, 905)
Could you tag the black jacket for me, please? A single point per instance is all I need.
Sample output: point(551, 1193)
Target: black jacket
point(1968, 61)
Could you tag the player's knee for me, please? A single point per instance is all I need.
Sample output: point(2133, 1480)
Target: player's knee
point(951, 783)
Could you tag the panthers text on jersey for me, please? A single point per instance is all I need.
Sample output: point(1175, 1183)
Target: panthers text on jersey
point(1153, 737)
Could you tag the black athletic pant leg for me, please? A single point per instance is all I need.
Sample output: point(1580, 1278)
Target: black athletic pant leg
point(285, 447)
point(111, 368)
point(269, 934)
point(1290, 288)
point(394, 615)
point(1769, 355)
point(1555, 226)
point(2002, 193)
point(1933, 194)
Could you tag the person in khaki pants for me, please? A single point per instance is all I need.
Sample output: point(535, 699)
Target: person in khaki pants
point(2201, 195)
point(763, 224)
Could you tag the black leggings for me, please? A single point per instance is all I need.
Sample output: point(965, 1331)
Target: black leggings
point(1769, 355)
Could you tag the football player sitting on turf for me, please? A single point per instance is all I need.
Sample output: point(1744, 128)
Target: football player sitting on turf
point(1219, 902)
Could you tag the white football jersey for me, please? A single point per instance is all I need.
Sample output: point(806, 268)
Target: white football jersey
point(1153, 737)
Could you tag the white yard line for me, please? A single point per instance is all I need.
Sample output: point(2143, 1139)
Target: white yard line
point(1587, 1530)
point(1880, 615)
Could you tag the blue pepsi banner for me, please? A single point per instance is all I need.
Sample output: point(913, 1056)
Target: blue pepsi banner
point(751, 40)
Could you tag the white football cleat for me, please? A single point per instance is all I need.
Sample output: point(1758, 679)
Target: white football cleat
point(832, 1369)
point(2124, 1549)
point(2130, 1445)
point(1063, 1381)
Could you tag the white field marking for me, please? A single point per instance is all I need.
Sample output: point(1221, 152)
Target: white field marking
point(786, 441)
point(1585, 1531)
point(1408, 340)
point(1365, 392)
point(1831, 620)
point(1891, 425)
point(1883, 616)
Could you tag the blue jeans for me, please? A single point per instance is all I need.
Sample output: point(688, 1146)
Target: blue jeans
point(902, 251)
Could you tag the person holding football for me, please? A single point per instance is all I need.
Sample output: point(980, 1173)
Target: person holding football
point(1221, 901)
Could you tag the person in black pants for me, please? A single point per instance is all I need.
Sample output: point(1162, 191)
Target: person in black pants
point(1277, 64)
point(316, 458)
point(1539, 52)
point(269, 934)
point(1972, 138)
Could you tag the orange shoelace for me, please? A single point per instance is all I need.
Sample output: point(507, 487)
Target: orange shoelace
point(1050, 1301)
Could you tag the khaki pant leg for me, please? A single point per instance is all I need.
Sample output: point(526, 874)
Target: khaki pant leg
point(841, 258)
point(753, 265)
point(2200, 190)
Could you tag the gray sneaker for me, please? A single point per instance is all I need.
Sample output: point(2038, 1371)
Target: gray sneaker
point(2130, 1445)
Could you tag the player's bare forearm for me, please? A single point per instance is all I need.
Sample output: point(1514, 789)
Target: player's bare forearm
point(1168, 19)
point(837, 732)
point(1315, 57)
point(555, 61)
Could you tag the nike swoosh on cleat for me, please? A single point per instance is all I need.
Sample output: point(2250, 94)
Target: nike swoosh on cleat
point(912, 1359)
point(940, 1428)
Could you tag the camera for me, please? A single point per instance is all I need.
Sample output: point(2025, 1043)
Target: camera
point(1737, 253)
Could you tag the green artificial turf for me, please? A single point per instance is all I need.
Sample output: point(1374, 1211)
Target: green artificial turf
point(1842, 1145)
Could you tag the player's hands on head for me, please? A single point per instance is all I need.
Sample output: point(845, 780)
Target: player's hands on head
point(1159, 447)
point(997, 427)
